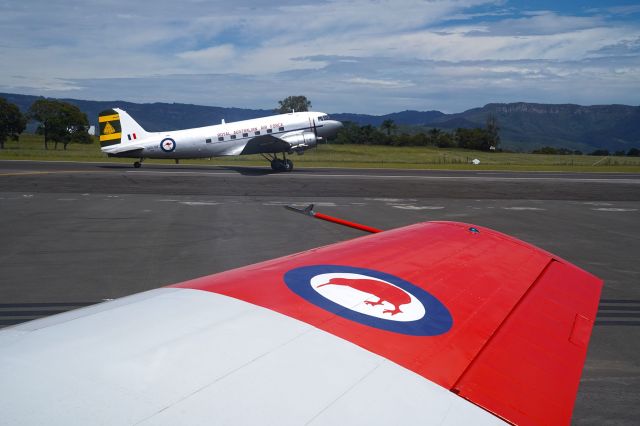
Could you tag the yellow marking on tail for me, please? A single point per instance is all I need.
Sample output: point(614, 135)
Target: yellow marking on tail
point(112, 117)
point(110, 137)
point(108, 129)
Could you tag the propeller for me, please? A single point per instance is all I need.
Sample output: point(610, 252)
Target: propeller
point(315, 132)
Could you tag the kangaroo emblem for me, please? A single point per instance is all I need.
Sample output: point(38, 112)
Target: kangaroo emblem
point(383, 291)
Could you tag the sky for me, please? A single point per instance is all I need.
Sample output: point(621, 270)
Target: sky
point(370, 57)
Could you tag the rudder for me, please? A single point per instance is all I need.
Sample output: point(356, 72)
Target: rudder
point(110, 128)
point(116, 126)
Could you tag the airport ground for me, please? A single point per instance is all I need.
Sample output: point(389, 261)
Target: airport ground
point(79, 233)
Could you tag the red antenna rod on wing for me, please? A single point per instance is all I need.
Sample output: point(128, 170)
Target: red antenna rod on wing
point(309, 212)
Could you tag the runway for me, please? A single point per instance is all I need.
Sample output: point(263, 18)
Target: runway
point(80, 233)
point(261, 181)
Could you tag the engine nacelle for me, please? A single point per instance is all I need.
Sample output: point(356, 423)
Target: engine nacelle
point(301, 141)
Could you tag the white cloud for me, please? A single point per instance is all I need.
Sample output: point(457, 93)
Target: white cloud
point(209, 55)
point(360, 56)
point(392, 84)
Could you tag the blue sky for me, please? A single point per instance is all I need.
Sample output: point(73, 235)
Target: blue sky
point(346, 56)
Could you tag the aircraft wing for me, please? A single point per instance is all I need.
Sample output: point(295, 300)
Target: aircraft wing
point(265, 143)
point(434, 323)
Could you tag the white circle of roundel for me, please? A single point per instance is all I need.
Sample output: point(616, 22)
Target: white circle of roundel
point(356, 300)
point(167, 145)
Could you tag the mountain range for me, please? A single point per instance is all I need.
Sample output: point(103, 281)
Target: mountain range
point(523, 126)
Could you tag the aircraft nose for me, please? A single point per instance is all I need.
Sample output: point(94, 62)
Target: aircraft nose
point(332, 127)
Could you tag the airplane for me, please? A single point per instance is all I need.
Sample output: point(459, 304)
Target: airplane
point(411, 325)
point(122, 136)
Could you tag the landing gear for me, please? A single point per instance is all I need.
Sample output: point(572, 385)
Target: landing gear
point(279, 164)
point(137, 164)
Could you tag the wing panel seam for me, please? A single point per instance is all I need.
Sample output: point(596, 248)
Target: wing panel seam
point(455, 388)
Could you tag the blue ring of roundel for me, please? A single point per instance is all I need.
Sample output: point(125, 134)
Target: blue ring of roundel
point(437, 319)
point(173, 145)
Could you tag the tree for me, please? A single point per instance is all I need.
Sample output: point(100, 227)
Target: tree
point(633, 152)
point(60, 122)
point(477, 138)
point(348, 134)
point(370, 135)
point(548, 150)
point(293, 103)
point(389, 126)
point(434, 136)
point(493, 131)
point(12, 122)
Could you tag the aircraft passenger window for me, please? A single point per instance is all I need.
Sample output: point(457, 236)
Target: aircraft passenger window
point(244, 135)
point(208, 141)
point(257, 133)
point(221, 138)
point(281, 129)
point(233, 136)
point(269, 130)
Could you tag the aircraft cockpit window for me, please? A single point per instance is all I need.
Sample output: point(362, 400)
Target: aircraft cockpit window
point(323, 118)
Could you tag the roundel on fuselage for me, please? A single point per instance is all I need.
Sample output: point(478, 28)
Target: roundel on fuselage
point(168, 145)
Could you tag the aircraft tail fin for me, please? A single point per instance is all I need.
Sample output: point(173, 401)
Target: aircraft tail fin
point(116, 126)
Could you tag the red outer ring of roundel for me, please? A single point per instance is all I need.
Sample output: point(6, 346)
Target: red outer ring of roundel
point(171, 145)
point(437, 320)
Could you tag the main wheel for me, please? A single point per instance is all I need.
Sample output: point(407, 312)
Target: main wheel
point(137, 164)
point(276, 165)
point(288, 166)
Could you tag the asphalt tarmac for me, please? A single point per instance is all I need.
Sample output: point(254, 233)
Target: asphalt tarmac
point(79, 233)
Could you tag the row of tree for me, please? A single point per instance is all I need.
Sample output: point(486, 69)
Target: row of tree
point(483, 139)
point(550, 150)
point(479, 139)
point(59, 122)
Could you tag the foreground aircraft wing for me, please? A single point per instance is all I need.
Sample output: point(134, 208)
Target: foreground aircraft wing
point(435, 323)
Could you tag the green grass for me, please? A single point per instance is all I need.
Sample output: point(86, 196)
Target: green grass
point(31, 147)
